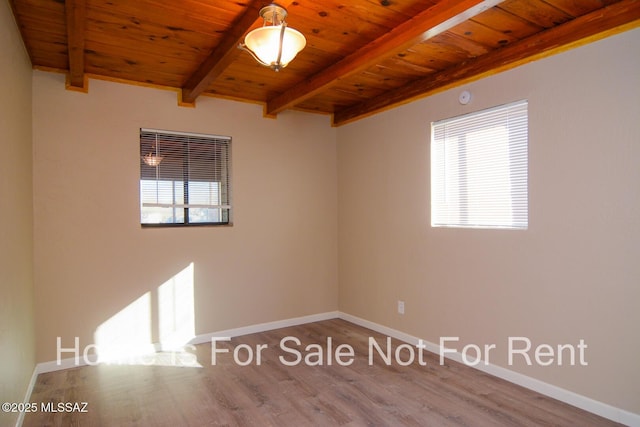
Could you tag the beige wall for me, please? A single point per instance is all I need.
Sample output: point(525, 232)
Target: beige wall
point(278, 260)
point(17, 344)
point(574, 274)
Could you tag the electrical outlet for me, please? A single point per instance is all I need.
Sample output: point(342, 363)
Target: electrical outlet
point(400, 307)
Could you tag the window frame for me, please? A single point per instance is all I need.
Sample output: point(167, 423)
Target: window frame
point(453, 205)
point(224, 171)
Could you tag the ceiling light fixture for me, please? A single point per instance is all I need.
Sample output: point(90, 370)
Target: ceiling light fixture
point(274, 45)
point(152, 159)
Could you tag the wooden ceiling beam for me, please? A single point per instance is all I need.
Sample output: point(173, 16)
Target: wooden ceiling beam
point(222, 56)
point(427, 24)
point(75, 13)
point(604, 22)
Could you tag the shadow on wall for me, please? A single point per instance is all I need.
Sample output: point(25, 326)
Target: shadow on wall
point(165, 315)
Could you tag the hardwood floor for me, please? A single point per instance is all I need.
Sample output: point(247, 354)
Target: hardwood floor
point(274, 394)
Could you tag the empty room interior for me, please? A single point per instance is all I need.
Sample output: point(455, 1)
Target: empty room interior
point(341, 267)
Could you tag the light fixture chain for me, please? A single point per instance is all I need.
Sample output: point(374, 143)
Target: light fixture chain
point(157, 172)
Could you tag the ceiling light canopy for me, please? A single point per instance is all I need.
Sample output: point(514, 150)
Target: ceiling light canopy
point(274, 44)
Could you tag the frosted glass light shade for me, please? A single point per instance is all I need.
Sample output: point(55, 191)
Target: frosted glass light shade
point(152, 159)
point(264, 42)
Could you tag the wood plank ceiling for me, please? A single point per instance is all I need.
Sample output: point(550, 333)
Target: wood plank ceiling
point(362, 56)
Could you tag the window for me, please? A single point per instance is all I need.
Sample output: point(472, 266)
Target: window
point(479, 169)
point(184, 178)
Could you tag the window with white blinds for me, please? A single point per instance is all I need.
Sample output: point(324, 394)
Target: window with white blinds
point(479, 169)
point(184, 178)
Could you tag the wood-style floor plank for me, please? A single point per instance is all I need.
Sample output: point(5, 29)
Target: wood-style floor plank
point(274, 394)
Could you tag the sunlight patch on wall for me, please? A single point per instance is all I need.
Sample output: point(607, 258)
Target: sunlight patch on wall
point(153, 330)
point(127, 333)
point(176, 315)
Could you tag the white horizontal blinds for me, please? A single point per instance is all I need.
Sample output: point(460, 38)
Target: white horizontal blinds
point(479, 169)
point(190, 184)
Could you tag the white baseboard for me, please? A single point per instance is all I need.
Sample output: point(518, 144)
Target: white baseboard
point(263, 327)
point(574, 399)
point(566, 396)
point(27, 396)
point(92, 359)
point(44, 367)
